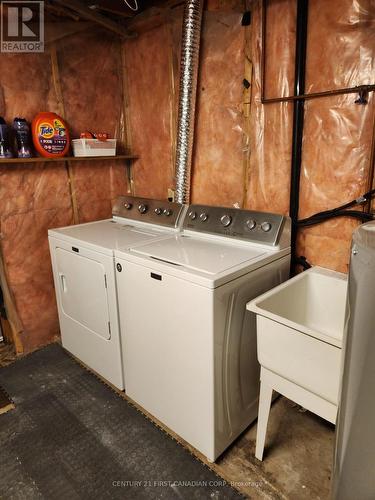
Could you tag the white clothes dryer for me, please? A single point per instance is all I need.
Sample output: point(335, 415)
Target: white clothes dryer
point(84, 277)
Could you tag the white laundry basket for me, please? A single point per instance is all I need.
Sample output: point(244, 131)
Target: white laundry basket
point(94, 147)
point(300, 327)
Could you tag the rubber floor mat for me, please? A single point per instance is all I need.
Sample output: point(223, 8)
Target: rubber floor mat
point(72, 437)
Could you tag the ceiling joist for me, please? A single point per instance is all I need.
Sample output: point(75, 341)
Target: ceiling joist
point(60, 11)
point(92, 15)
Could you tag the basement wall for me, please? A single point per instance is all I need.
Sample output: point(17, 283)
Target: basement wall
point(242, 154)
point(79, 77)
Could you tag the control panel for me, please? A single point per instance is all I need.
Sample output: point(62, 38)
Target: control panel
point(163, 213)
point(260, 227)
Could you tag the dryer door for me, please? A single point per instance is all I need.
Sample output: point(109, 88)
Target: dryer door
point(83, 291)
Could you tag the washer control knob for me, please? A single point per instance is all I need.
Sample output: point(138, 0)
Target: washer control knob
point(158, 211)
point(203, 217)
point(142, 208)
point(168, 212)
point(251, 224)
point(192, 215)
point(266, 226)
point(226, 220)
point(128, 205)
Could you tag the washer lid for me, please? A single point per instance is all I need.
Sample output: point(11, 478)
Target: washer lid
point(200, 254)
point(110, 234)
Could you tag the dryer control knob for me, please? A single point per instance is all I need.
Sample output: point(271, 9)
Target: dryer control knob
point(128, 205)
point(192, 215)
point(203, 217)
point(251, 224)
point(266, 226)
point(158, 211)
point(142, 208)
point(226, 220)
point(168, 212)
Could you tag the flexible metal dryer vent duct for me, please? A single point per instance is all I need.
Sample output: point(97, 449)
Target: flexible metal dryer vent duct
point(192, 22)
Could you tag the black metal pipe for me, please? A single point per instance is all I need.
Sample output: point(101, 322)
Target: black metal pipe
point(360, 89)
point(298, 119)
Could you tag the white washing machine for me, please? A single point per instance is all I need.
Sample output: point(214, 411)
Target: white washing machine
point(84, 276)
point(189, 346)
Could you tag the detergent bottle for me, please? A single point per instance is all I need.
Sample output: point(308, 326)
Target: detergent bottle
point(50, 135)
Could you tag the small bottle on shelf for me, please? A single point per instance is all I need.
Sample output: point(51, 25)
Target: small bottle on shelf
point(22, 133)
point(5, 151)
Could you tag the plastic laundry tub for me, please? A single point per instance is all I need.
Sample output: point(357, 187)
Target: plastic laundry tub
point(300, 327)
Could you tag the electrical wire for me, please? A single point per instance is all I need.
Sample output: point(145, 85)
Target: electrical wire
point(358, 201)
point(356, 214)
point(303, 262)
point(341, 211)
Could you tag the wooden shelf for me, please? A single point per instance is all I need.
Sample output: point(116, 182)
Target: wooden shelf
point(39, 159)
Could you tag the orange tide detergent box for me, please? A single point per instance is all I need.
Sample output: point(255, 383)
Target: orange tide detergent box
point(50, 135)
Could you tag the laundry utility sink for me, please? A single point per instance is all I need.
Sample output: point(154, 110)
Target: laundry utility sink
point(300, 326)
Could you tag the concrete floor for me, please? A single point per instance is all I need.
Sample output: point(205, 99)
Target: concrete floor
point(297, 461)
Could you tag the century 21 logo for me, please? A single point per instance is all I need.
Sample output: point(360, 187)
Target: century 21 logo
point(22, 26)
